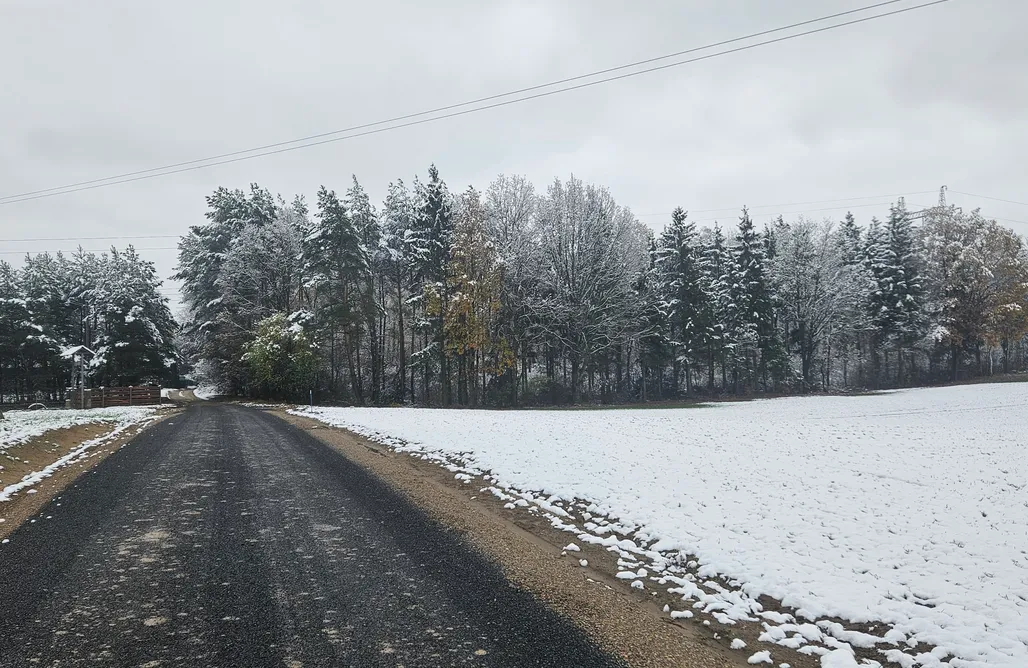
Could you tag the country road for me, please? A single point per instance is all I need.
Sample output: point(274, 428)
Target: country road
point(224, 536)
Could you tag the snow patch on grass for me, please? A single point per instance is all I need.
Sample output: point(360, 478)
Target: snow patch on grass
point(22, 426)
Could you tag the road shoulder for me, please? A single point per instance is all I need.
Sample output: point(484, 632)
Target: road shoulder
point(530, 555)
point(43, 450)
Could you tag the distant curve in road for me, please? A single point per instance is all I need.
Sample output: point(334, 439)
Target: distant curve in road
point(224, 536)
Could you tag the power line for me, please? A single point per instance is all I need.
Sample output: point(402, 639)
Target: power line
point(76, 250)
point(137, 236)
point(737, 208)
point(995, 199)
point(768, 206)
point(695, 220)
point(213, 162)
point(449, 107)
point(792, 213)
point(833, 208)
point(642, 215)
point(1008, 220)
point(820, 201)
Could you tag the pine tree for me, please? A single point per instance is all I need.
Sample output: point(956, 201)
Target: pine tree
point(51, 288)
point(678, 283)
point(850, 240)
point(656, 345)
point(369, 232)
point(854, 322)
point(896, 297)
point(207, 334)
point(399, 266)
point(715, 281)
point(336, 264)
point(433, 237)
point(750, 313)
point(134, 341)
point(16, 330)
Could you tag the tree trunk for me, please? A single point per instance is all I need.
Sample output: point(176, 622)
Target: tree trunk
point(710, 370)
point(332, 361)
point(444, 363)
point(426, 372)
point(376, 381)
point(574, 379)
point(402, 362)
point(355, 383)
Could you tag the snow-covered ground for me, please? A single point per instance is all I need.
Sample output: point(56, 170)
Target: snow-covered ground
point(21, 426)
point(908, 508)
point(205, 392)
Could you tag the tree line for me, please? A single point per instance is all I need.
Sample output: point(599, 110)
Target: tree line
point(515, 297)
point(109, 303)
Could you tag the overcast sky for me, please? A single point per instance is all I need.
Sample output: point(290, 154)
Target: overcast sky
point(899, 105)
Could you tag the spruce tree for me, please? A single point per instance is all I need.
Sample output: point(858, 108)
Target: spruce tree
point(208, 331)
point(335, 263)
point(682, 299)
point(715, 282)
point(751, 309)
point(369, 232)
point(134, 340)
point(655, 313)
point(902, 283)
point(398, 267)
point(16, 330)
point(850, 240)
point(433, 237)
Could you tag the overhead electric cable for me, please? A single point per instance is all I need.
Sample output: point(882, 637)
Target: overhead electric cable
point(284, 146)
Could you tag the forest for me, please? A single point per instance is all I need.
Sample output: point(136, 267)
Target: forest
point(517, 297)
point(109, 303)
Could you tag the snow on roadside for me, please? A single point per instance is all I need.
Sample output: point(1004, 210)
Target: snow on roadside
point(906, 508)
point(206, 392)
point(22, 426)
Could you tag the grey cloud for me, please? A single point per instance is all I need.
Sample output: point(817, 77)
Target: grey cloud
point(906, 103)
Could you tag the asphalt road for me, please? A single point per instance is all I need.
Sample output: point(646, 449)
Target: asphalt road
point(227, 537)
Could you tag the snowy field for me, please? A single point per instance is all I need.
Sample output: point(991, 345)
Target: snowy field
point(21, 426)
point(908, 508)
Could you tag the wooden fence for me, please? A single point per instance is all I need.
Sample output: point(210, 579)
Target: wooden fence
point(101, 397)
